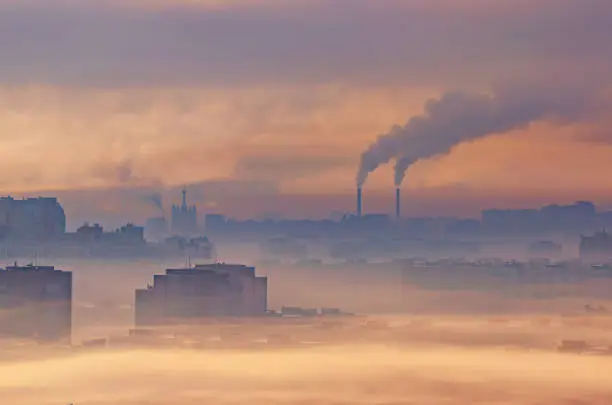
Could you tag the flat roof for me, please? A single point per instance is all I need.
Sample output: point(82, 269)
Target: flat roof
point(31, 267)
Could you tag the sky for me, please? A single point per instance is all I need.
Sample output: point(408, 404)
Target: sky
point(104, 101)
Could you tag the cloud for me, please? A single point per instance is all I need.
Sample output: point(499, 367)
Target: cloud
point(168, 136)
point(328, 41)
point(280, 165)
point(159, 93)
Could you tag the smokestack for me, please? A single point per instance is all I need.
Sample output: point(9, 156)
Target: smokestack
point(397, 203)
point(359, 201)
point(458, 117)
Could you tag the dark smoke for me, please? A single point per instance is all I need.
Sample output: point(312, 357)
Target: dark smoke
point(156, 200)
point(458, 116)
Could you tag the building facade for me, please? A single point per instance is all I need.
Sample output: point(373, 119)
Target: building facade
point(156, 229)
point(211, 290)
point(40, 218)
point(596, 248)
point(36, 302)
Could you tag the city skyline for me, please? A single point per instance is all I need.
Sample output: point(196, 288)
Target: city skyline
point(305, 201)
point(137, 205)
point(287, 118)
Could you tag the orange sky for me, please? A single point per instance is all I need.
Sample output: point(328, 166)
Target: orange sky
point(308, 141)
point(295, 113)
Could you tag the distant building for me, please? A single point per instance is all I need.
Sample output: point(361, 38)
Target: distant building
point(596, 248)
point(545, 250)
point(211, 290)
point(128, 235)
point(40, 218)
point(578, 217)
point(35, 302)
point(200, 247)
point(184, 217)
point(215, 223)
point(156, 229)
point(510, 221)
point(89, 233)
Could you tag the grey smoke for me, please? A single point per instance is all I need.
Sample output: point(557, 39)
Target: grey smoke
point(156, 200)
point(458, 116)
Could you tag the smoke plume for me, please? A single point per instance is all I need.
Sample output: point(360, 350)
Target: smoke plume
point(156, 200)
point(458, 116)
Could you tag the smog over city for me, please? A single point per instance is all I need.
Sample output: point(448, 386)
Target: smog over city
point(305, 202)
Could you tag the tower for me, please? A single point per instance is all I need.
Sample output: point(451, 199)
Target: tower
point(397, 203)
point(184, 217)
point(359, 202)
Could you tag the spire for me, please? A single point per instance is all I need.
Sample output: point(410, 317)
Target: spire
point(184, 197)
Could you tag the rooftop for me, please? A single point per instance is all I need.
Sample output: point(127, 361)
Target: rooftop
point(29, 267)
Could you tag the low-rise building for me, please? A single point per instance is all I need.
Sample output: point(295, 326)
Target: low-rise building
point(596, 248)
point(211, 290)
point(35, 302)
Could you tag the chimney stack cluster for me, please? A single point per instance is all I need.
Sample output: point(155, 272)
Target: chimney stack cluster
point(398, 213)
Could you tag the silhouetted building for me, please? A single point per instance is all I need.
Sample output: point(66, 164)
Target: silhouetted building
point(156, 228)
point(545, 250)
point(578, 217)
point(211, 290)
point(89, 233)
point(40, 218)
point(127, 235)
point(184, 217)
point(215, 223)
point(200, 247)
point(35, 302)
point(510, 221)
point(596, 248)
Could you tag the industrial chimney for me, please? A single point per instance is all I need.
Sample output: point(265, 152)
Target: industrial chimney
point(359, 201)
point(397, 203)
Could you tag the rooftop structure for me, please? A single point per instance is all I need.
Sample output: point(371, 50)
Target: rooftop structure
point(208, 290)
point(184, 217)
point(35, 302)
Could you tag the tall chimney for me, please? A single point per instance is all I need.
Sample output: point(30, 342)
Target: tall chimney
point(397, 203)
point(359, 201)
